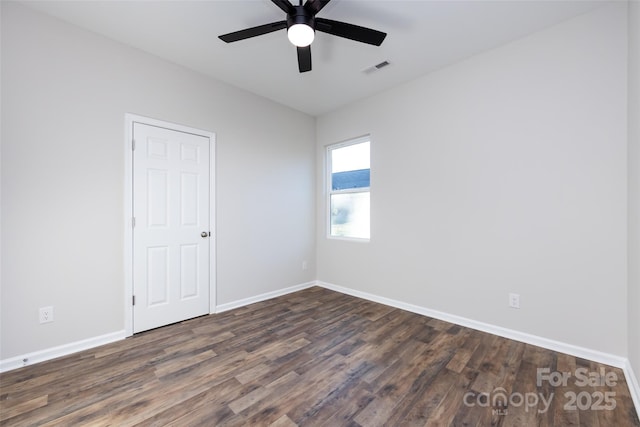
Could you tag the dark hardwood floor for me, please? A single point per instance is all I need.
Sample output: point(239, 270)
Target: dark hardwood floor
point(316, 358)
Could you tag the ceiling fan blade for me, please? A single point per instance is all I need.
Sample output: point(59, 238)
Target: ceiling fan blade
point(285, 5)
point(304, 59)
point(253, 32)
point(350, 31)
point(315, 6)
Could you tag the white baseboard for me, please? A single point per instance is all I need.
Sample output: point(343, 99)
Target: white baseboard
point(66, 349)
point(582, 352)
point(263, 297)
point(59, 351)
point(634, 386)
point(585, 353)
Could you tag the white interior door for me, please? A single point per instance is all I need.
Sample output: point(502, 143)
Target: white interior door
point(171, 232)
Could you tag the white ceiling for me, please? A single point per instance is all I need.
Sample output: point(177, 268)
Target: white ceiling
point(422, 36)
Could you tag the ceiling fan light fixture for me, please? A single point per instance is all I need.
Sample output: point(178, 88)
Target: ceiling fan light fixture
point(300, 35)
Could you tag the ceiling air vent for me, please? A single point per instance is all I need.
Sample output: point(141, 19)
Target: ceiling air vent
point(376, 67)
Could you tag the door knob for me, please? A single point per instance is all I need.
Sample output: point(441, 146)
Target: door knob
point(204, 234)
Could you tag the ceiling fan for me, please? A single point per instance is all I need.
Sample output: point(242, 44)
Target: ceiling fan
point(301, 25)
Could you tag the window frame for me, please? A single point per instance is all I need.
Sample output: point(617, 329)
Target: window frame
point(329, 187)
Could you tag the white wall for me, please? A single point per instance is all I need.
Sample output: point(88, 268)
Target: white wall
point(503, 173)
point(634, 187)
point(65, 93)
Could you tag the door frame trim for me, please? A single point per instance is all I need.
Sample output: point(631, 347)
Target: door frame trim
point(130, 119)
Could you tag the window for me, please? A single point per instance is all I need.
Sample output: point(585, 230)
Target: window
point(348, 189)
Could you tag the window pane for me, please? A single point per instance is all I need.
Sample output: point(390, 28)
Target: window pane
point(350, 166)
point(350, 215)
point(350, 158)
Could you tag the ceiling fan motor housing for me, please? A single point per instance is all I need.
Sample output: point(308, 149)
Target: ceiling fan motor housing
point(300, 15)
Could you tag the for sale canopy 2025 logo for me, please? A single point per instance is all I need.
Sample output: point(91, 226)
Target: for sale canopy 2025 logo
point(500, 401)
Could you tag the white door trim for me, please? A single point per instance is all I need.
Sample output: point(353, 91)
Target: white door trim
point(130, 119)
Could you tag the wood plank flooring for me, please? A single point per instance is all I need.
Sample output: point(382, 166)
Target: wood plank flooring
point(316, 358)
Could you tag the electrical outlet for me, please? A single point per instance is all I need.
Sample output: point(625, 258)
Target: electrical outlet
point(514, 300)
point(305, 265)
point(46, 314)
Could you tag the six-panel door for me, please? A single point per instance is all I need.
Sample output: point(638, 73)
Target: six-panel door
point(171, 232)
